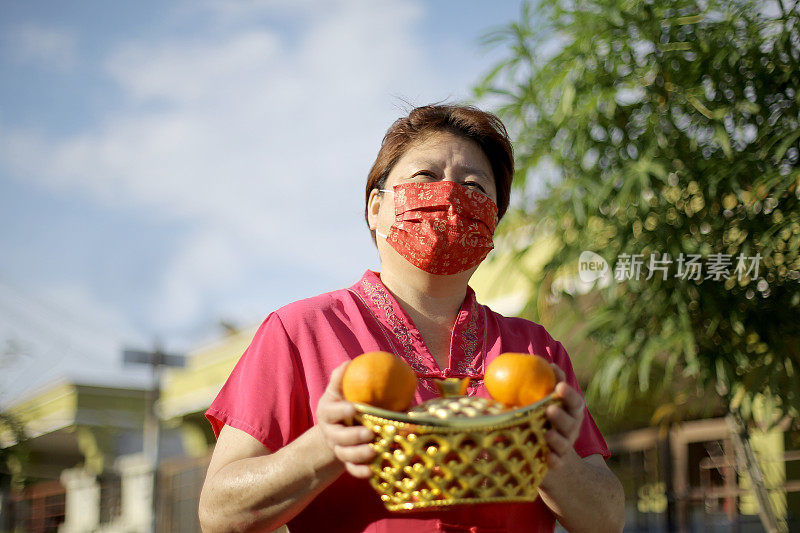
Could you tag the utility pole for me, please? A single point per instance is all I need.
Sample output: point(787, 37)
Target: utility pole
point(151, 434)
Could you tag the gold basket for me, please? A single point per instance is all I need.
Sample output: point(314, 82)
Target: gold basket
point(457, 450)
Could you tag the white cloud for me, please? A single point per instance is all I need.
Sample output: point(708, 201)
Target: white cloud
point(184, 73)
point(49, 47)
point(210, 259)
point(264, 141)
point(238, 10)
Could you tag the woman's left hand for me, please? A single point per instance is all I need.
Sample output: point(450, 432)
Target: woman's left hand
point(565, 420)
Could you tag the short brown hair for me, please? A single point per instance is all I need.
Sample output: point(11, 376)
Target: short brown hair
point(467, 121)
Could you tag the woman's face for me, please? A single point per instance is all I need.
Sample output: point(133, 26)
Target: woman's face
point(445, 156)
point(441, 156)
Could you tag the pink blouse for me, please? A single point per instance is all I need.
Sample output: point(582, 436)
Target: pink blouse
point(273, 392)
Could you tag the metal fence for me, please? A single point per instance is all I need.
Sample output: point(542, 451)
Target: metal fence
point(707, 492)
point(179, 484)
point(110, 497)
point(39, 508)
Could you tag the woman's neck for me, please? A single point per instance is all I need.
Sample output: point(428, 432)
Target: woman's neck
point(436, 299)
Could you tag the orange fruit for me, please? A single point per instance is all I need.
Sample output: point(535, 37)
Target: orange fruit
point(519, 379)
point(379, 379)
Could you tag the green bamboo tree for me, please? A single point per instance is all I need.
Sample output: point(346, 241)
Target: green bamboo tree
point(665, 127)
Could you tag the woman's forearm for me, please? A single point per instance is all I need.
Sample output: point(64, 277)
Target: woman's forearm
point(584, 497)
point(263, 493)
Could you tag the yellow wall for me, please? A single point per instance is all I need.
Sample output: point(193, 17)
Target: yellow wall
point(504, 282)
point(193, 388)
point(50, 409)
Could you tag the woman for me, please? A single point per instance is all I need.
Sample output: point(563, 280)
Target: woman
point(285, 452)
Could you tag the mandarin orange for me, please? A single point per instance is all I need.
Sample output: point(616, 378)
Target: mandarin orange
point(519, 379)
point(379, 379)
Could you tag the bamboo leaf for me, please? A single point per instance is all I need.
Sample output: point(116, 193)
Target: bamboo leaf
point(785, 144)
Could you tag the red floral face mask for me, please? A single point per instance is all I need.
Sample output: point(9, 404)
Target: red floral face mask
point(441, 227)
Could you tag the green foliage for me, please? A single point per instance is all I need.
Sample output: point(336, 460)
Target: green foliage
point(12, 458)
point(667, 126)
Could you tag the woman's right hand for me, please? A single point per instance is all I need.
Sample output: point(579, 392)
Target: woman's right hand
point(349, 444)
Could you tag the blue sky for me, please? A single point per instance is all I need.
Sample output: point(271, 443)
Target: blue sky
point(165, 165)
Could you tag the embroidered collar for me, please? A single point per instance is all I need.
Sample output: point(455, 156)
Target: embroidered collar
point(467, 341)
